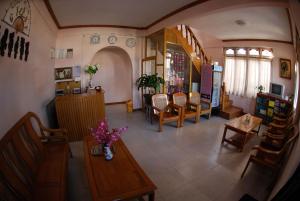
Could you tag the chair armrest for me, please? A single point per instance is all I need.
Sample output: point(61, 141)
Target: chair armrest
point(54, 134)
point(193, 104)
point(157, 109)
point(275, 137)
point(177, 106)
point(259, 148)
point(278, 126)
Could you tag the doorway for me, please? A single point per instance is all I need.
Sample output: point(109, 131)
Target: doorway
point(114, 75)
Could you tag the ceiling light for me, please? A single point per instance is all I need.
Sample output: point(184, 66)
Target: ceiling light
point(240, 22)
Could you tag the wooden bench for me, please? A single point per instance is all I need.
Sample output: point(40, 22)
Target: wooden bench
point(33, 162)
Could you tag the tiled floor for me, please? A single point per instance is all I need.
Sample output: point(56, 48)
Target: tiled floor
point(186, 164)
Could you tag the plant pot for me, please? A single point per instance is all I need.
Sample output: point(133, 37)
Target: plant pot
point(148, 99)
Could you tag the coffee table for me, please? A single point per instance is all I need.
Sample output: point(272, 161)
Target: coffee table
point(244, 127)
point(119, 179)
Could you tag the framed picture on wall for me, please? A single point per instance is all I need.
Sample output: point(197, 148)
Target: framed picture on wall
point(63, 73)
point(285, 68)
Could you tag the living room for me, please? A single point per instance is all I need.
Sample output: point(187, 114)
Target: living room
point(58, 35)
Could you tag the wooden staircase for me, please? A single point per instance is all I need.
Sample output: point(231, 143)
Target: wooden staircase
point(183, 35)
point(228, 110)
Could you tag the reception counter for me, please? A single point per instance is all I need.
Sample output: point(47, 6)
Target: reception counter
point(78, 113)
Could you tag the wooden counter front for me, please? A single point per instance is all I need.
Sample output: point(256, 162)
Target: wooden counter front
point(78, 113)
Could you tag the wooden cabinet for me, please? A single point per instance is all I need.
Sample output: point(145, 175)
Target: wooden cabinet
point(267, 105)
point(78, 113)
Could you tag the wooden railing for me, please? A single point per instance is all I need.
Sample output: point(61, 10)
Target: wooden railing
point(193, 41)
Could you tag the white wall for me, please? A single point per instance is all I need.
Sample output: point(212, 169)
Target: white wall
point(28, 86)
point(115, 74)
point(84, 52)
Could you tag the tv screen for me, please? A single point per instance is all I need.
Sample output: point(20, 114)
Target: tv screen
point(276, 89)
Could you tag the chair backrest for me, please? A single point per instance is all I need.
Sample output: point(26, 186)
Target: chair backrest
point(160, 101)
point(180, 99)
point(20, 155)
point(194, 97)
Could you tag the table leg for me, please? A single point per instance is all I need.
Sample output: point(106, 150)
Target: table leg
point(151, 196)
point(224, 134)
point(244, 142)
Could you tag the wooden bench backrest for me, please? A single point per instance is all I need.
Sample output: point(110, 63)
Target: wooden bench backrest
point(21, 152)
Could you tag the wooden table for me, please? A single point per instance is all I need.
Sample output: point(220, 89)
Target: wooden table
point(244, 127)
point(119, 179)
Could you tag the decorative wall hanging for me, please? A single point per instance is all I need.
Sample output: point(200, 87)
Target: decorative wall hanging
point(285, 68)
point(18, 16)
point(95, 39)
point(131, 42)
point(112, 39)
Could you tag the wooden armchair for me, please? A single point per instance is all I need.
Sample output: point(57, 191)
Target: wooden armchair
point(205, 104)
point(165, 111)
point(188, 109)
point(279, 125)
point(272, 157)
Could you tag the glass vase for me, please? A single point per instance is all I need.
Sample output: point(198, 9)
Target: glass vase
point(107, 152)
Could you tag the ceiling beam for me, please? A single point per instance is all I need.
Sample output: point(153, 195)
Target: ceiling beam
point(260, 40)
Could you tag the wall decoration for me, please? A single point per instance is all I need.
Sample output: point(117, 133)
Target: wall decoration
point(16, 47)
point(285, 68)
point(95, 39)
point(112, 39)
point(22, 48)
point(131, 42)
point(11, 43)
point(3, 42)
point(18, 16)
point(69, 53)
point(63, 73)
point(26, 50)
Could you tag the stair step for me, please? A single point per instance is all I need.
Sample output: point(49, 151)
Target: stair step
point(231, 112)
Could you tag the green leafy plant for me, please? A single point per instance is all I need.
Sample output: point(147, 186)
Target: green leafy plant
point(92, 69)
point(260, 88)
point(150, 81)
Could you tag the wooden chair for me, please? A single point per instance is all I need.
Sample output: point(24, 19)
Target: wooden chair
point(188, 109)
point(205, 104)
point(165, 111)
point(279, 125)
point(272, 157)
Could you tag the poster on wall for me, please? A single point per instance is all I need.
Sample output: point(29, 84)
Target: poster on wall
point(15, 30)
point(206, 81)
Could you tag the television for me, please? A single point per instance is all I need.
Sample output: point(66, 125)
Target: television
point(276, 89)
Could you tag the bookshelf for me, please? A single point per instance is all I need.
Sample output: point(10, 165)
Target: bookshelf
point(267, 105)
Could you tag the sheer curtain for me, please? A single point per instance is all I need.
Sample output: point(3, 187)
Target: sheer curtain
point(235, 75)
point(229, 74)
point(296, 84)
point(253, 77)
point(242, 76)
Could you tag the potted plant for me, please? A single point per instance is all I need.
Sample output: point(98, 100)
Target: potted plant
point(260, 88)
point(91, 70)
point(152, 82)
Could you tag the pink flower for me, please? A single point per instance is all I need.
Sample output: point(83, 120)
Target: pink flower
point(103, 135)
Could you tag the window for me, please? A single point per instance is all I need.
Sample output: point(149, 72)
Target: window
point(246, 69)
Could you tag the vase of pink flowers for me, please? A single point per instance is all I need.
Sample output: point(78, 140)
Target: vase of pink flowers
point(106, 137)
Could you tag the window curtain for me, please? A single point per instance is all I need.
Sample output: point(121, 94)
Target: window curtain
point(296, 84)
point(235, 75)
point(242, 76)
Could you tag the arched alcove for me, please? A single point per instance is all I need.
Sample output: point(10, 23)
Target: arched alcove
point(115, 74)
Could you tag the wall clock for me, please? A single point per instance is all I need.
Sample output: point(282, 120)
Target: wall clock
point(18, 16)
point(112, 39)
point(95, 39)
point(130, 42)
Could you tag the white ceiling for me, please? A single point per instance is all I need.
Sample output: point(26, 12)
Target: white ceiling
point(261, 23)
point(136, 13)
